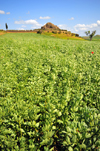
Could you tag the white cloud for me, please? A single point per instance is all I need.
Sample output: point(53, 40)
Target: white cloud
point(71, 18)
point(23, 26)
point(8, 13)
point(29, 22)
point(94, 25)
point(47, 17)
point(84, 27)
point(28, 12)
point(98, 22)
point(2, 12)
point(80, 25)
point(76, 30)
point(81, 28)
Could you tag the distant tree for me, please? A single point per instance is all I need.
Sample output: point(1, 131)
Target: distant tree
point(90, 35)
point(77, 35)
point(6, 26)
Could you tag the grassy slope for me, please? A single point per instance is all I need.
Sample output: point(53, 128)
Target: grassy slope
point(97, 37)
point(62, 36)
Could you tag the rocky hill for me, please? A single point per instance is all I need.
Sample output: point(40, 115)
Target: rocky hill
point(50, 26)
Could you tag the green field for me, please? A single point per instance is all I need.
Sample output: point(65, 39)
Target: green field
point(49, 93)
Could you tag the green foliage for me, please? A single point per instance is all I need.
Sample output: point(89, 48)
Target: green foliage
point(49, 93)
point(87, 33)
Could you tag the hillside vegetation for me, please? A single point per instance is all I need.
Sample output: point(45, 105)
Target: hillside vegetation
point(62, 36)
point(52, 30)
point(49, 93)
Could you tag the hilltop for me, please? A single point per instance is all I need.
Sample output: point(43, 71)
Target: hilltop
point(50, 26)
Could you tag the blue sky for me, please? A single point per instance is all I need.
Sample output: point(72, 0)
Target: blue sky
point(76, 16)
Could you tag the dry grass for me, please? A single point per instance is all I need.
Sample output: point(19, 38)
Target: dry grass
point(63, 36)
point(2, 32)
